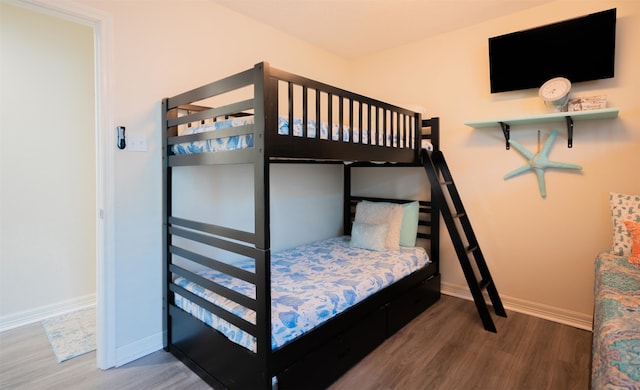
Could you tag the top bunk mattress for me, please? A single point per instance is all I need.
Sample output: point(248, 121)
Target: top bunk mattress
point(236, 142)
point(309, 285)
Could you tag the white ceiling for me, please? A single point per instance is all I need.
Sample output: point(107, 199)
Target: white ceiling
point(355, 28)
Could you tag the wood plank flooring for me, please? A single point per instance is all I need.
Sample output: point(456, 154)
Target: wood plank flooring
point(447, 348)
point(444, 348)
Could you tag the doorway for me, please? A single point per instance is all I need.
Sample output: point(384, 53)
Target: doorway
point(99, 211)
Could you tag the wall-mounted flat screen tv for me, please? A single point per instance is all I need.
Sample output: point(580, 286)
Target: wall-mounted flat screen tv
point(580, 49)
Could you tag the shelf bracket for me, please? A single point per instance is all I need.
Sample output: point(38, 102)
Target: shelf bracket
point(569, 131)
point(506, 131)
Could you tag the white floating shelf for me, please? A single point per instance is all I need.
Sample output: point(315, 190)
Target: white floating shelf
point(568, 117)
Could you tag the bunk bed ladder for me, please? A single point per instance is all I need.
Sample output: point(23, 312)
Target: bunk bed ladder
point(460, 230)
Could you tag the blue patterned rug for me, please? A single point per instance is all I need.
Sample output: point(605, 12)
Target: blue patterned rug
point(72, 334)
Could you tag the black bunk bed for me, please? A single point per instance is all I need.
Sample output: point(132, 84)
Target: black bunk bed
point(273, 99)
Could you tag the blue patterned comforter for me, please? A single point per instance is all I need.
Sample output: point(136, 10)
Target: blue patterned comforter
point(246, 141)
point(309, 285)
point(616, 324)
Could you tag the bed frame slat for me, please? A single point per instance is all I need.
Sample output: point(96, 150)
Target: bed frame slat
point(232, 295)
point(214, 264)
point(243, 156)
point(213, 229)
point(215, 309)
point(199, 113)
point(215, 88)
point(221, 133)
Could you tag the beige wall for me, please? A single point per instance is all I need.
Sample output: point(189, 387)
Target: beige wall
point(540, 251)
point(47, 165)
point(160, 49)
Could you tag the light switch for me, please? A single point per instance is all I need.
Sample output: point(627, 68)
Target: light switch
point(136, 142)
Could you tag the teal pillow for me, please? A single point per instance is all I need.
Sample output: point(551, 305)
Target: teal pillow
point(369, 236)
point(409, 228)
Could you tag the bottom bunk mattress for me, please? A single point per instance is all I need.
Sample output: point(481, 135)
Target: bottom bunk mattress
point(309, 285)
point(616, 324)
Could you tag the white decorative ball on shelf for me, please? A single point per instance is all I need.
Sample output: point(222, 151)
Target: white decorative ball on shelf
point(555, 93)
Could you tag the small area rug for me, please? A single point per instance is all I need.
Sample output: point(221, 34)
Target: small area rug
point(72, 334)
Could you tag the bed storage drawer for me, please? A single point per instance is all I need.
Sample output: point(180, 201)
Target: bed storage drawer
point(324, 365)
point(413, 302)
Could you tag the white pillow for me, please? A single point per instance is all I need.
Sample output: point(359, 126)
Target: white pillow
point(376, 213)
point(410, 220)
point(369, 236)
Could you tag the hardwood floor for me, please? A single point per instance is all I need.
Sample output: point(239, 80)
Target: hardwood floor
point(445, 348)
point(27, 362)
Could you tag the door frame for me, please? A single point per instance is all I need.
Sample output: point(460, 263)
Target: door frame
point(101, 24)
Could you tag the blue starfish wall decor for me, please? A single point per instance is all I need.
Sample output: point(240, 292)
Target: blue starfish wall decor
point(539, 162)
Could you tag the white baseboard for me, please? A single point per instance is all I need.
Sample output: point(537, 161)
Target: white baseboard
point(27, 317)
point(138, 349)
point(555, 314)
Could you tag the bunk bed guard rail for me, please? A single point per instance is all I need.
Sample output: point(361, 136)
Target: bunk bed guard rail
point(325, 122)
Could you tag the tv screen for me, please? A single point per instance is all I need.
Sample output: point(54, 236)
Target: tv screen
point(580, 49)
